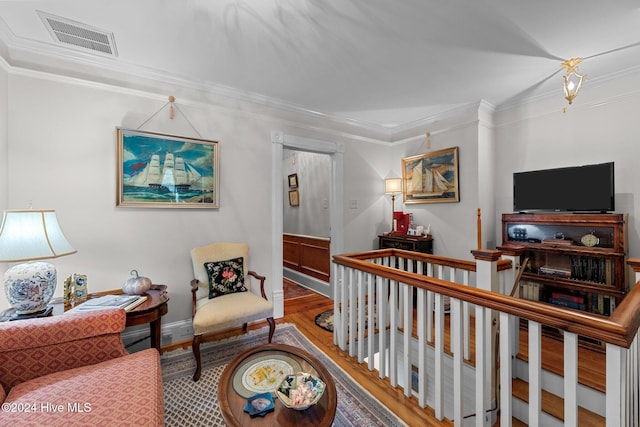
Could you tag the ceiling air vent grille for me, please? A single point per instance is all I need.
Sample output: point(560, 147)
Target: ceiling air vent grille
point(79, 35)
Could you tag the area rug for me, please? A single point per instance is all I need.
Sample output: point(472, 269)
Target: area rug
point(292, 290)
point(189, 403)
point(325, 320)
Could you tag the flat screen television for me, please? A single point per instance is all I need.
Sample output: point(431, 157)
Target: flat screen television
point(587, 188)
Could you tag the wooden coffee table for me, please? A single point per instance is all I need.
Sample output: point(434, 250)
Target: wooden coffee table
point(232, 403)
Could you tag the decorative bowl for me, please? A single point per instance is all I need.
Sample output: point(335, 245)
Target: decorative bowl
point(259, 404)
point(300, 391)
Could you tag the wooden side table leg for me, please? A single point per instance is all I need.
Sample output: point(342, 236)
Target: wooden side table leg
point(156, 336)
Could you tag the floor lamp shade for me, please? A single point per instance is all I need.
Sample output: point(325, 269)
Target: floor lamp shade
point(393, 186)
point(29, 236)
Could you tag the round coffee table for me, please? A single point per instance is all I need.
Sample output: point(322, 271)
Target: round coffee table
point(232, 395)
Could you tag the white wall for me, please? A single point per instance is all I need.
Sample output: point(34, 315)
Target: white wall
point(4, 145)
point(453, 224)
point(602, 125)
point(57, 150)
point(311, 216)
point(62, 154)
point(367, 210)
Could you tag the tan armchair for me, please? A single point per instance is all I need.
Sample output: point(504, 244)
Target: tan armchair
point(227, 310)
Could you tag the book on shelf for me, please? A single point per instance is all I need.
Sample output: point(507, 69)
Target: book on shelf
point(568, 304)
point(567, 297)
point(564, 242)
point(530, 290)
point(555, 271)
point(126, 302)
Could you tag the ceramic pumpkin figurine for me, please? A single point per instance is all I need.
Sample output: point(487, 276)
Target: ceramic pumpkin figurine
point(136, 285)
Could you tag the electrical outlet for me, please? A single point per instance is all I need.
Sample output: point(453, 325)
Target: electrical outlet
point(353, 204)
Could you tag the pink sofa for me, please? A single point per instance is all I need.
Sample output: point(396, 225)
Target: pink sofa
point(72, 370)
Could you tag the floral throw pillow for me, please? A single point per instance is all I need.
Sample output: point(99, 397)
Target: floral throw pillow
point(225, 277)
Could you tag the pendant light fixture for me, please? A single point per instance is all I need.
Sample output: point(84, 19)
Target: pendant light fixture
point(572, 80)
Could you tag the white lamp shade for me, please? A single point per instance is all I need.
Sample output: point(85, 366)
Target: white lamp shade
point(392, 185)
point(28, 235)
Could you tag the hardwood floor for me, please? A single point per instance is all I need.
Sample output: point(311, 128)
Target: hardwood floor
point(302, 311)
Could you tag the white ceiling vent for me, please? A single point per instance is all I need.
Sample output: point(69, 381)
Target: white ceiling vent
point(78, 34)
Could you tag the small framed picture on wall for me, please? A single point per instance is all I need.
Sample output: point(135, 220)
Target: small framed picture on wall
point(293, 180)
point(294, 198)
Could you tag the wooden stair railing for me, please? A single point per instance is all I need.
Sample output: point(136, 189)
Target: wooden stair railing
point(618, 332)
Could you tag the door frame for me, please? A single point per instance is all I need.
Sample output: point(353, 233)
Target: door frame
point(335, 150)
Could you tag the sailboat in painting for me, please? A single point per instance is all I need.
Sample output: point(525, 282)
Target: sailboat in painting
point(427, 182)
point(174, 174)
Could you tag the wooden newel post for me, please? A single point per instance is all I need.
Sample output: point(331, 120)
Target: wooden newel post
point(479, 230)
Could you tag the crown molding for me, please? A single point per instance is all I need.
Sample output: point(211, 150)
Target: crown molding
point(18, 53)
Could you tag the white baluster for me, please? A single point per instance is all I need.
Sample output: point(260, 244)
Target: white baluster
point(408, 320)
point(505, 370)
point(535, 373)
point(371, 321)
point(571, 379)
point(393, 332)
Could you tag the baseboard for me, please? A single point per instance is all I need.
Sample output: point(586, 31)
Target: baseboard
point(138, 337)
point(312, 283)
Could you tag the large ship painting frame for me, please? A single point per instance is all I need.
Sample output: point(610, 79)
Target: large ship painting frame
point(431, 177)
point(160, 170)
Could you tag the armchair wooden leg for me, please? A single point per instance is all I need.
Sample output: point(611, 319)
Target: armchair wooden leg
point(272, 327)
point(195, 346)
point(244, 327)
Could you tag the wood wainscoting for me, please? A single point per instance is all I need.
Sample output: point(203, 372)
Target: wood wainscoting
point(309, 255)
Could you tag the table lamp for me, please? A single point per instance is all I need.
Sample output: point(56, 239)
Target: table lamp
point(29, 236)
point(393, 186)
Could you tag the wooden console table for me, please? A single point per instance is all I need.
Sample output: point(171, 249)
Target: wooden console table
point(149, 311)
point(406, 242)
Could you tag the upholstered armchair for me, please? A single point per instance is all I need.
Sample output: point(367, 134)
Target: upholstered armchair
point(221, 293)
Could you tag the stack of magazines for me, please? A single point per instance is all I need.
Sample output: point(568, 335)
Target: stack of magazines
point(126, 302)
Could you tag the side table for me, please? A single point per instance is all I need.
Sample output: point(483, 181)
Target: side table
point(406, 242)
point(149, 311)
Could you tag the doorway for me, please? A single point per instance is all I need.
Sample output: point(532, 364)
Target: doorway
point(335, 151)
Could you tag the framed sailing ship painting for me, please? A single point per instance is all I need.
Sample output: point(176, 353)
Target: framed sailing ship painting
point(431, 177)
point(166, 171)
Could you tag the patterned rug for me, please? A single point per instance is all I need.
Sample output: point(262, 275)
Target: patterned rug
point(325, 320)
point(292, 290)
point(189, 403)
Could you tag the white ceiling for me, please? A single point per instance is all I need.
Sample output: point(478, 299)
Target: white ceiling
point(379, 62)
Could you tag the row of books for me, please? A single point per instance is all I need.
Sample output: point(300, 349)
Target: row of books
point(126, 302)
point(587, 269)
point(591, 269)
point(530, 290)
point(593, 302)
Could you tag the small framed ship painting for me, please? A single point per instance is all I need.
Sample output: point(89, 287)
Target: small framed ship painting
point(431, 177)
point(166, 171)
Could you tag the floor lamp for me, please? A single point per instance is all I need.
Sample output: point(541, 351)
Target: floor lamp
point(393, 186)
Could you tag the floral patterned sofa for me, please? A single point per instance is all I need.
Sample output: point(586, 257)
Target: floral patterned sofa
point(72, 370)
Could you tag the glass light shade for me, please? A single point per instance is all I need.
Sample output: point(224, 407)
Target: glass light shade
point(572, 84)
point(31, 235)
point(392, 185)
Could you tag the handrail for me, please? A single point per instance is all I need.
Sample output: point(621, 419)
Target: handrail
point(619, 329)
point(419, 256)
